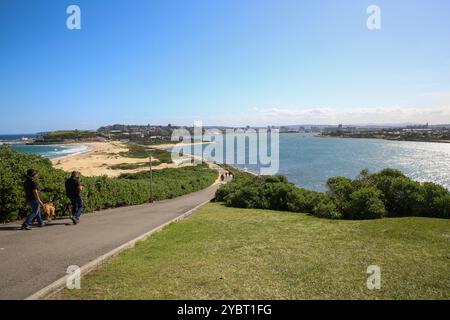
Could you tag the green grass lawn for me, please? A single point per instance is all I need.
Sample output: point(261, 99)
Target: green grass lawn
point(132, 166)
point(228, 253)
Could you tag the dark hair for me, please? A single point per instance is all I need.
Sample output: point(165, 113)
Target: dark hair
point(31, 173)
point(75, 175)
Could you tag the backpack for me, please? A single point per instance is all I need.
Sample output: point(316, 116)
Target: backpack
point(70, 188)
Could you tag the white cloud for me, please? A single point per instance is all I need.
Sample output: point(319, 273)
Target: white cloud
point(381, 115)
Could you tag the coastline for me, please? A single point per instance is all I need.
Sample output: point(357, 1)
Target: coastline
point(87, 150)
point(51, 152)
point(100, 157)
point(96, 160)
point(105, 158)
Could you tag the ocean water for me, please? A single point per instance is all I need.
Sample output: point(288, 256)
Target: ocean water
point(11, 137)
point(50, 151)
point(308, 161)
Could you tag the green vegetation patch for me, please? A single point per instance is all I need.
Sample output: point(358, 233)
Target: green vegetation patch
point(133, 166)
point(142, 152)
point(69, 134)
point(230, 253)
point(172, 182)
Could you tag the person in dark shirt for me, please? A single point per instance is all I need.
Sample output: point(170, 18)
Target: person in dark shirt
point(73, 192)
point(32, 194)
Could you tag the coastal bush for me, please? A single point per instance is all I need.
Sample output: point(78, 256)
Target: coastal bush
point(340, 189)
point(365, 203)
point(405, 197)
point(143, 152)
point(356, 199)
point(162, 155)
point(326, 210)
point(369, 196)
point(436, 201)
point(270, 192)
point(99, 192)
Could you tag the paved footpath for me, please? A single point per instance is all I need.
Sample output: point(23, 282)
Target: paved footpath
point(31, 260)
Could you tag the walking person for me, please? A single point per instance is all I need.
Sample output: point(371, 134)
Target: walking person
point(73, 192)
point(33, 197)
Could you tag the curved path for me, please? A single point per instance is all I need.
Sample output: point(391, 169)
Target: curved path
point(31, 260)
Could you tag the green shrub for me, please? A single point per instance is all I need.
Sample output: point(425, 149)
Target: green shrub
point(340, 189)
point(401, 196)
point(244, 198)
point(268, 192)
point(326, 210)
point(436, 201)
point(365, 203)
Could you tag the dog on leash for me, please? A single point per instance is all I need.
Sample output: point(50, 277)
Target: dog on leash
point(49, 211)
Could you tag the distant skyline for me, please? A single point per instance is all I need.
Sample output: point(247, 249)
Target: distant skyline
point(225, 62)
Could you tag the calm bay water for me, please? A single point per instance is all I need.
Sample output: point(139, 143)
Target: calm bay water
point(308, 161)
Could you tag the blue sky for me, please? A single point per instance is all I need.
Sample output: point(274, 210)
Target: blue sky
point(228, 62)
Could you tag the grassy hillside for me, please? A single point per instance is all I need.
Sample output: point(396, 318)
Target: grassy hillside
point(229, 253)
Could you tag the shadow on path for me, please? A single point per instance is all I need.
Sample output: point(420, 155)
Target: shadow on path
point(16, 227)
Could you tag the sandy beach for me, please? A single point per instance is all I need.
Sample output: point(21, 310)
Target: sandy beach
point(102, 155)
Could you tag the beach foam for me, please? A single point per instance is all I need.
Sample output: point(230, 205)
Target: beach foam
point(51, 151)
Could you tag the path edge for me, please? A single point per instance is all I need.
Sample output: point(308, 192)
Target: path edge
point(59, 284)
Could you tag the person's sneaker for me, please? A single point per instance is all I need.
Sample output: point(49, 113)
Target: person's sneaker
point(26, 228)
point(74, 220)
point(42, 225)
